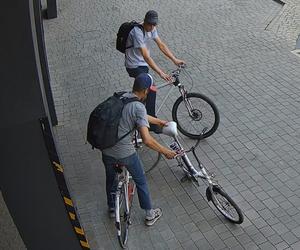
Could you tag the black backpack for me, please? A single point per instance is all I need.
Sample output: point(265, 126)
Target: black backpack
point(102, 128)
point(123, 33)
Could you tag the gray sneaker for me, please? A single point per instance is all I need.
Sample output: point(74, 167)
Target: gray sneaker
point(149, 221)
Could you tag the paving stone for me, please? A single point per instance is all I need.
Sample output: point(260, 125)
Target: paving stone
point(189, 245)
point(196, 235)
point(282, 245)
point(203, 244)
point(258, 238)
point(296, 231)
point(296, 245)
point(275, 239)
point(251, 246)
point(173, 243)
point(280, 228)
point(231, 242)
point(167, 234)
point(289, 238)
point(266, 246)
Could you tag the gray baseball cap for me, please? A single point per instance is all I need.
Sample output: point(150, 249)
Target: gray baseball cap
point(151, 17)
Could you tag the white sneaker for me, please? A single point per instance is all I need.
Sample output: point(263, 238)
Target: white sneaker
point(149, 221)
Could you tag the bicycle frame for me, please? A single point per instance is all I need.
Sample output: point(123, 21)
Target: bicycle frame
point(191, 169)
point(176, 83)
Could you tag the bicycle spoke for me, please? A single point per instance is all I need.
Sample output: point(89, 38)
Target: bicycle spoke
point(226, 206)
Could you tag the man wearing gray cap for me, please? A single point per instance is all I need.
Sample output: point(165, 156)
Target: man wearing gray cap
point(137, 54)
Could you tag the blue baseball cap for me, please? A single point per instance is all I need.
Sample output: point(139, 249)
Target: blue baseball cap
point(143, 81)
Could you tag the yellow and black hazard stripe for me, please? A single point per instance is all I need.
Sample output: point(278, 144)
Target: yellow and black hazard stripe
point(59, 174)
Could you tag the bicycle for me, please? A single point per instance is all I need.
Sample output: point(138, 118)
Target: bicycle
point(214, 192)
point(123, 202)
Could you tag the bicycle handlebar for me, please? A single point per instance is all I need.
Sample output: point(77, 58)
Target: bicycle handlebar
point(177, 71)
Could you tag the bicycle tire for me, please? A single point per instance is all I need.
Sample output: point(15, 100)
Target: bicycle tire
point(197, 122)
point(222, 206)
point(123, 217)
point(148, 157)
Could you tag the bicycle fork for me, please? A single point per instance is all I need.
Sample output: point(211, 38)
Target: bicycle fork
point(186, 101)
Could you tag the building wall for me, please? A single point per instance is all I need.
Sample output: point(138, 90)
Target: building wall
point(27, 180)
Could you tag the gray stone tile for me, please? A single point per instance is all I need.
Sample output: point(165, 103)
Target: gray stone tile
point(266, 246)
point(203, 244)
point(173, 243)
point(289, 238)
point(282, 245)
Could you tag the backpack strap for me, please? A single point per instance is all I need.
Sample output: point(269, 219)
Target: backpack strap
point(125, 101)
point(123, 136)
point(136, 24)
point(142, 28)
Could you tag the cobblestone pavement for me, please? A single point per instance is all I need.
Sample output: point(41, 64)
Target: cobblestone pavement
point(234, 57)
point(287, 23)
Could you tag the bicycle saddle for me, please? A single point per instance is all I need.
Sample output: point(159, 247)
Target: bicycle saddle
point(170, 129)
point(119, 167)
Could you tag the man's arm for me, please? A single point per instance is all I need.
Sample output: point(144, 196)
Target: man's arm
point(154, 120)
point(153, 65)
point(164, 48)
point(149, 141)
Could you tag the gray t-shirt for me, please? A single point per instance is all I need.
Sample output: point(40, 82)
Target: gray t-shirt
point(136, 37)
point(134, 115)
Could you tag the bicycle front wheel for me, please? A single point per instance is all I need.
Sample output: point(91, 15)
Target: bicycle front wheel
point(148, 157)
point(195, 113)
point(122, 216)
point(226, 206)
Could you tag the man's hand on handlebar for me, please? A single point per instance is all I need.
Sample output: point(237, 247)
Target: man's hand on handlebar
point(169, 154)
point(165, 76)
point(179, 62)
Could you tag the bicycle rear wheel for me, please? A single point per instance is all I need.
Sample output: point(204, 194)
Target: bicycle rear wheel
point(204, 113)
point(122, 216)
point(226, 206)
point(148, 157)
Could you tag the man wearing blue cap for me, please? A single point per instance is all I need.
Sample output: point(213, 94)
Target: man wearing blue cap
point(137, 54)
point(134, 115)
